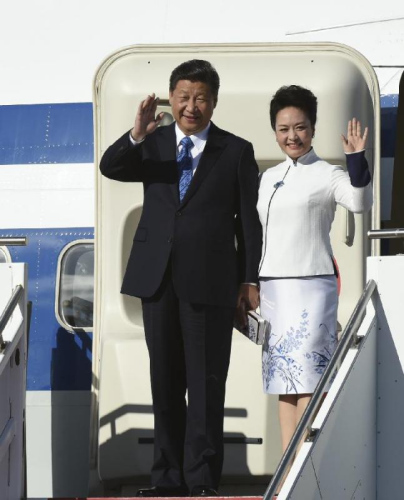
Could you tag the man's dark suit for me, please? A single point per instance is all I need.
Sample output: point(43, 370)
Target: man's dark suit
point(185, 267)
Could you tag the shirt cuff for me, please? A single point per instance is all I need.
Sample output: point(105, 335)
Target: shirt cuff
point(354, 152)
point(132, 140)
point(254, 284)
point(358, 169)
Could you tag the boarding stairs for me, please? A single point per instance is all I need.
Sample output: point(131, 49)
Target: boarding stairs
point(13, 359)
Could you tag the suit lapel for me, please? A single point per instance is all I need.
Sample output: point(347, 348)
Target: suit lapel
point(214, 147)
point(168, 152)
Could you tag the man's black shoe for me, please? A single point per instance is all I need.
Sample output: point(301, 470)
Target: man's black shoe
point(161, 491)
point(203, 491)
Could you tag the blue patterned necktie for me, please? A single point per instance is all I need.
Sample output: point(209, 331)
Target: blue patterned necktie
point(184, 162)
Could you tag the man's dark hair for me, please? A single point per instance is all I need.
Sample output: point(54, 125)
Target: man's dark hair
point(295, 96)
point(196, 70)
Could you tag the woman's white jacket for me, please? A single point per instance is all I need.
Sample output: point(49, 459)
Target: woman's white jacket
point(297, 215)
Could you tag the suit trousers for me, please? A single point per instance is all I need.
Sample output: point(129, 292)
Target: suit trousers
point(189, 347)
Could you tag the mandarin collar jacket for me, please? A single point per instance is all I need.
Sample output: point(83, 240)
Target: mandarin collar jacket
point(298, 214)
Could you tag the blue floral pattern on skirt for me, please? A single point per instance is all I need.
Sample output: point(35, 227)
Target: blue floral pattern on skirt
point(295, 355)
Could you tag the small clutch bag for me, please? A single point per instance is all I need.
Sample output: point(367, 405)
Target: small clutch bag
point(256, 329)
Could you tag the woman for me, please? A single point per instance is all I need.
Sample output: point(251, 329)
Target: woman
point(296, 205)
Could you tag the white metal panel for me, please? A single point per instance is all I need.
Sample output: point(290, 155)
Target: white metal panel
point(302, 468)
point(57, 443)
point(4, 437)
point(59, 196)
point(39, 446)
point(388, 272)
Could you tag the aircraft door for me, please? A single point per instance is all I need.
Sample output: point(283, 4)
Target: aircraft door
point(346, 86)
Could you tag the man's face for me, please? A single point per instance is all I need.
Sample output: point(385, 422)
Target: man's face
point(192, 105)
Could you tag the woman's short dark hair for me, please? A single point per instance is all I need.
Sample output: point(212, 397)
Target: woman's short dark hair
point(196, 70)
point(297, 97)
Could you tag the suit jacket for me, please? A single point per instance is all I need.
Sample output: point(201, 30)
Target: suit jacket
point(199, 233)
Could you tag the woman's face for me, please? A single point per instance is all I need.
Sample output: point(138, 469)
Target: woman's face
point(293, 132)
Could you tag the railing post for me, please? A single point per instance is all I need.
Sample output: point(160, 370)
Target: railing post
point(386, 233)
point(13, 241)
point(8, 311)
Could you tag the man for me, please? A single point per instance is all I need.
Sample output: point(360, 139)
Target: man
point(200, 185)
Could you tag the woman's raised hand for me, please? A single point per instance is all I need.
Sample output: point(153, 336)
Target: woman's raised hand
point(354, 141)
point(146, 120)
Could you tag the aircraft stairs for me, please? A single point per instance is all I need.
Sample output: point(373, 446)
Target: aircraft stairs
point(13, 359)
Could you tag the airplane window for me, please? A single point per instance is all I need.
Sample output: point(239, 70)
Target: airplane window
point(3, 256)
point(76, 288)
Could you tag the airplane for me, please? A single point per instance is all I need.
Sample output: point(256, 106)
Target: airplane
point(55, 61)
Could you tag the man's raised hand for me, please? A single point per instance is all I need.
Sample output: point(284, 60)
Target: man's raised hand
point(146, 120)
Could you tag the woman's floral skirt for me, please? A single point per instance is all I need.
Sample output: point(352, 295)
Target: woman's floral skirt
point(303, 336)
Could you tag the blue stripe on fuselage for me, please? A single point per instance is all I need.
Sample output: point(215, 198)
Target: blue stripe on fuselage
point(46, 133)
point(63, 133)
point(57, 359)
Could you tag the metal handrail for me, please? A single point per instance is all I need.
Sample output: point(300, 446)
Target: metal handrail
point(13, 241)
point(385, 233)
point(348, 338)
point(8, 311)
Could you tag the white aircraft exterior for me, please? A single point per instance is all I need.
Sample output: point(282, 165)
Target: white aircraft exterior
point(50, 53)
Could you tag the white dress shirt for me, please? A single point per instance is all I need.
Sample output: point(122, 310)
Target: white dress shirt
point(296, 227)
point(199, 141)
